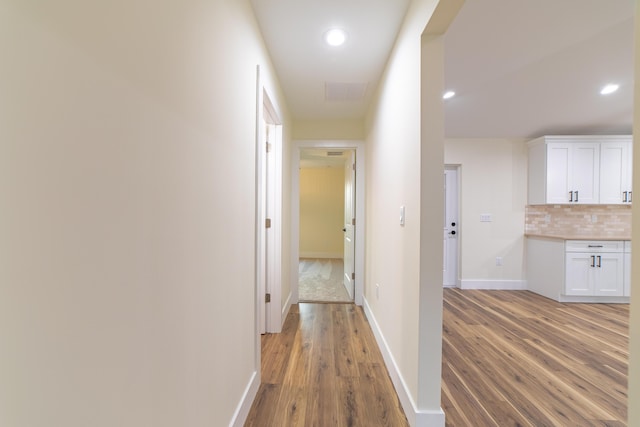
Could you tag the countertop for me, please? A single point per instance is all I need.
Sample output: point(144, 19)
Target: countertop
point(573, 237)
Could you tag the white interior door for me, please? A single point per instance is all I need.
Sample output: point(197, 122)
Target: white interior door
point(269, 224)
point(261, 259)
point(349, 223)
point(451, 227)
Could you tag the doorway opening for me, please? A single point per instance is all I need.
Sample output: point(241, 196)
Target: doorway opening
point(327, 215)
point(327, 202)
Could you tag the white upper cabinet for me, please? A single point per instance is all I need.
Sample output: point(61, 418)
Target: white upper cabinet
point(580, 170)
point(616, 173)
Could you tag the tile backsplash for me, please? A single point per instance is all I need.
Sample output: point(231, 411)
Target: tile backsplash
point(578, 220)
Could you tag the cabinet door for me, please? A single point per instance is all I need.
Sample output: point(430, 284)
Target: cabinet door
point(608, 275)
point(558, 160)
point(584, 172)
point(573, 171)
point(579, 274)
point(615, 173)
point(627, 275)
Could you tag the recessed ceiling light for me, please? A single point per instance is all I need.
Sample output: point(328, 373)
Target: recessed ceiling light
point(448, 94)
point(610, 88)
point(335, 37)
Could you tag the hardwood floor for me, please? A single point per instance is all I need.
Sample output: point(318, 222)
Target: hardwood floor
point(510, 358)
point(514, 358)
point(324, 369)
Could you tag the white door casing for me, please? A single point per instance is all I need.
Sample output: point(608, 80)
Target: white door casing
point(268, 206)
point(358, 147)
point(451, 227)
point(349, 224)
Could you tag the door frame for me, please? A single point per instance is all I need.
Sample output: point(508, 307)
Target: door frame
point(268, 258)
point(358, 146)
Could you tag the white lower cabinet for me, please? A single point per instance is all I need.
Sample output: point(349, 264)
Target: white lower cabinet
point(593, 274)
point(627, 269)
point(579, 270)
point(594, 268)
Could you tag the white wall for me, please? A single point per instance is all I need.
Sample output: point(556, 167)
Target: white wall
point(127, 187)
point(402, 300)
point(337, 129)
point(493, 180)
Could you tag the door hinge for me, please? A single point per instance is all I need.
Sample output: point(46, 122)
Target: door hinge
point(353, 276)
point(267, 297)
point(353, 221)
point(354, 166)
point(267, 223)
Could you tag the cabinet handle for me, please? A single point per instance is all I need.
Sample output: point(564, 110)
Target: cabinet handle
point(624, 198)
point(571, 196)
point(593, 261)
point(599, 261)
point(576, 195)
point(596, 246)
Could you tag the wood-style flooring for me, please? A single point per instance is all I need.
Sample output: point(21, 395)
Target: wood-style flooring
point(514, 358)
point(510, 358)
point(324, 369)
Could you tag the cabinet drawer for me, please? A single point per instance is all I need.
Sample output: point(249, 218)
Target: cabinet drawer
point(594, 246)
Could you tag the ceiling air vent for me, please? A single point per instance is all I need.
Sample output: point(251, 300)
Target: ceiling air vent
point(336, 91)
point(334, 153)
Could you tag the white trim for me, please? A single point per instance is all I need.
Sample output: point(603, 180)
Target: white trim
point(269, 112)
point(285, 309)
point(359, 147)
point(594, 299)
point(416, 417)
point(490, 284)
point(324, 255)
point(242, 411)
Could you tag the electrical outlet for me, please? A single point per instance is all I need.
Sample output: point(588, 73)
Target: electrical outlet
point(486, 218)
point(594, 218)
point(499, 261)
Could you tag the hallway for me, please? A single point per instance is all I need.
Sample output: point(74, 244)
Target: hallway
point(324, 369)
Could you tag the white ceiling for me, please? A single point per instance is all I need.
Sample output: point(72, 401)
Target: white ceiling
point(520, 68)
point(293, 31)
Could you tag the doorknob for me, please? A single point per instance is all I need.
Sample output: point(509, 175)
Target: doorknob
point(453, 232)
point(344, 229)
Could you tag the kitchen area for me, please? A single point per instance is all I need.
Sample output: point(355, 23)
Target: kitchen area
point(578, 218)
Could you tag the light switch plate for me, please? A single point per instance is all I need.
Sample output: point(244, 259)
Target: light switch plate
point(486, 218)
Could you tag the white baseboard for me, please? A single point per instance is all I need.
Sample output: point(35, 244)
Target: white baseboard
point(592, 300)
point(503, 285)
point(328, 255)
point(242, 411)
point(416, 418)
